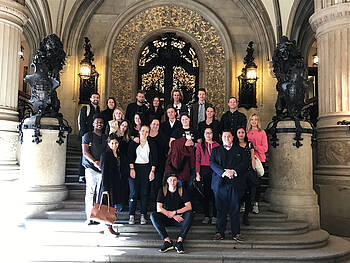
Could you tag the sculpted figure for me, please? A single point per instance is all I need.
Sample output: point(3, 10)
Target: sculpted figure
point(48, 61)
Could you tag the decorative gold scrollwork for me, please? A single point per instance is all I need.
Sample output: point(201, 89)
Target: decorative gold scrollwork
point(172, 17)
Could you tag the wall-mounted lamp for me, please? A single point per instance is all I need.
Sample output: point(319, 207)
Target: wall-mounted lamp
point(87, 74)
point(21, 54)
point(247, 80)
point(315, 59)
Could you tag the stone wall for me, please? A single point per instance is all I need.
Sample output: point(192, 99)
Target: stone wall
point(225, 16)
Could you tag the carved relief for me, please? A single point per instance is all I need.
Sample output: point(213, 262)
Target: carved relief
point(175, 18)
point(334, 152)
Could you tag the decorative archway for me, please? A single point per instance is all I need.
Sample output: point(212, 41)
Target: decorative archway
point(168, 62)
point(153, 21)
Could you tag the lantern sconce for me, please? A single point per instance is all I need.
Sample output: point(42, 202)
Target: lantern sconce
point(21, 53)
point(87, 74)
point(315, 59)
point(247, 80)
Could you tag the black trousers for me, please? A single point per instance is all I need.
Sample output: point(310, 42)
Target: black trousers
point(206, 174)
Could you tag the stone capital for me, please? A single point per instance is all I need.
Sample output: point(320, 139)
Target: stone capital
point(330, 18)
point(13, 12)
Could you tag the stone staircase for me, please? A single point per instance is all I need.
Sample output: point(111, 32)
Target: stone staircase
point(271, 237)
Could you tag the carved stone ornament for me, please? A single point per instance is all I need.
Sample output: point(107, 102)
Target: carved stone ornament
point(175, 18)
point(333, 152)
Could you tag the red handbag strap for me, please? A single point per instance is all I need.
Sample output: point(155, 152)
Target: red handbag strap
point(104, 193)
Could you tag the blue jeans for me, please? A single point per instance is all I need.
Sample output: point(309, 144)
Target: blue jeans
point(160, 221)
point(139, 188)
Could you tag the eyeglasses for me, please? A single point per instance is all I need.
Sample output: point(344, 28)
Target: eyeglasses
point(208, 133)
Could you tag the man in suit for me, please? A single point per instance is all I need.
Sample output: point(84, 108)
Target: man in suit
point(198, 109)
point(171, 124)
point(229, 164)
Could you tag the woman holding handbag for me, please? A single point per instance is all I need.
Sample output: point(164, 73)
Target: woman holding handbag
point(111, 177)
point(258, 137)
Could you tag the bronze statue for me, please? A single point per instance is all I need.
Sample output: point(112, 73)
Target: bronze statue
point(291, 74)
point(48, 61)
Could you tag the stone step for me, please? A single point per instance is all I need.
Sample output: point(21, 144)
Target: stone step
point(336, 251)
point(75, 211)
point(78, 233)
point(72, 241)
point(71, 171)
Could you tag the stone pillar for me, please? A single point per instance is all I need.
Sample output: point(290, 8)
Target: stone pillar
point(43, 167)
point(12, 19)
point(290, 172)
point(331, 22)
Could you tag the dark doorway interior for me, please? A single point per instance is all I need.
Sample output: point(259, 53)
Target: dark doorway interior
point(166, 63)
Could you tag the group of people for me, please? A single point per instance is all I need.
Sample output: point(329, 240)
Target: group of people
point(168, 155)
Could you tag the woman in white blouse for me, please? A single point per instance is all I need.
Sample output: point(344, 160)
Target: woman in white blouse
point(142, 162)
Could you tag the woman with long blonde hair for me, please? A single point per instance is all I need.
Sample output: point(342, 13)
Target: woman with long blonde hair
point(257, 136)
point(113, 125)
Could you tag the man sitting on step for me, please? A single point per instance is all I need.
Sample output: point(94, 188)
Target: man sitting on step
point(173, 209)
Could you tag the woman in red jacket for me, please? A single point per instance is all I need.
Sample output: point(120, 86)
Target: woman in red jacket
point(203, 172)
point(257, 136)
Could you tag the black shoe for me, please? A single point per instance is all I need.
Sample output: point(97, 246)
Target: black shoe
point(166, 246)
point(246, 221)
point(218, 236)
point(82, 180)
point(92, 222)
point(111, 230)
point(238, 238)
point(179, 247)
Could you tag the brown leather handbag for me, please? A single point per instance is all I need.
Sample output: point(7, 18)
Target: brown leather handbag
point(103, 213)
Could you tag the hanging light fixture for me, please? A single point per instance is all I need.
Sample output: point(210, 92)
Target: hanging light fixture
point(247, 80)
point(85, 69)
point(86, 62)
point(315, 59)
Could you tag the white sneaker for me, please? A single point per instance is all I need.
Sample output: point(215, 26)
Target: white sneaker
point(131, 220)
point(143, 220)
point(205, 220)
point(256, 208)
point(213, 220)
point(242, 209)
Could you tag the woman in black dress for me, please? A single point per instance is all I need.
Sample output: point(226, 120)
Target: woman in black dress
point(160, 139)
point(136, 126)
point(111, 177)
point(107, 114)
point(156, 110)
point(210, 122)
point(248, 187)
point(123, 136)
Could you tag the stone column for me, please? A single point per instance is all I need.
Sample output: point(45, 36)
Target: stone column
point(290, 172)
point(43, 167)
point(331, 22)
point(12, 19)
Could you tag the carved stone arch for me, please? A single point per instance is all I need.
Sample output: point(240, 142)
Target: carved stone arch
point(260, 21)
point(299, 28)
point(146, 18)
point(78, 17)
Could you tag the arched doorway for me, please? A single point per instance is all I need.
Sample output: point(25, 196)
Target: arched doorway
point(168, 62)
